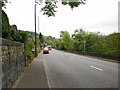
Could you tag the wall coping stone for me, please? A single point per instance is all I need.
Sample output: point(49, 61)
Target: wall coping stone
point(6, 42)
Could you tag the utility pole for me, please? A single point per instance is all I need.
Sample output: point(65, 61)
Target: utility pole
point(36, 2)
point(38, 24)
point(39, 36)
point(35, 33)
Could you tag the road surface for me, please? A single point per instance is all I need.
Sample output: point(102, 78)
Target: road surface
point(66, 70)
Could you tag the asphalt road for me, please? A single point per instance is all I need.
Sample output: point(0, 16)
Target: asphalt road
point(66, 70)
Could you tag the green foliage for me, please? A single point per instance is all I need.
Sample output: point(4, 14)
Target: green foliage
point(79, 36)
point(73, 4)
point(93, 41)
point(32, 34)
point(49, 40)
point(111, 44)
point(41, 38)
point(5, 26)
point(65, 43)
point(24, 40)
point(51, 5)
point(16, 36)
point(49, 8)
point(66, 40)
point(96, 43)
point(30, 45)
point(30, 56)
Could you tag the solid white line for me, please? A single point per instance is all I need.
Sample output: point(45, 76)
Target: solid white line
point(45, 66)
point(96, 68)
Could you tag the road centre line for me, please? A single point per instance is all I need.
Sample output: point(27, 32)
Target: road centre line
point(96, 68)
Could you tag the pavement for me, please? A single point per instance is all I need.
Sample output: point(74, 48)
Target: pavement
point(34, 76)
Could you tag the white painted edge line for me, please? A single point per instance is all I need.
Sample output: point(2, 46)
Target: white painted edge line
point(96, 68)
point(45, 66)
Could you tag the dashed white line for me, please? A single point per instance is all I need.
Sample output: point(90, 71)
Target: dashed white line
point(96, 68)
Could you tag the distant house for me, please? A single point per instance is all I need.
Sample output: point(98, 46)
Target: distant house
point(30, 39)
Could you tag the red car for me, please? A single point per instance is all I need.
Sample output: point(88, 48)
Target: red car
point(45, 51)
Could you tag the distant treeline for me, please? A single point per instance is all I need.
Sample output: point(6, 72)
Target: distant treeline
point(90, 43)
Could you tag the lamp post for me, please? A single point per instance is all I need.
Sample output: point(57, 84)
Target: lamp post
point(39, 34)
point(39, 3)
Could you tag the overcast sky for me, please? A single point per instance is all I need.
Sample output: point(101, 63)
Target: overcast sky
point(95, 15)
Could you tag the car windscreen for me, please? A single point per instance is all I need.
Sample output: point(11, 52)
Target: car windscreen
point(45, 48)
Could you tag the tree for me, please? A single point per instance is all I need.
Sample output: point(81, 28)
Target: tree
point(65, 42)
point(94, 43)
point(78, 37)
point(51, 5)
point(93, 40)
point(41, 38)
point(111, 44)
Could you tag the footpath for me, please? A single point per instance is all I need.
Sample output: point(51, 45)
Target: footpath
point(34, 75)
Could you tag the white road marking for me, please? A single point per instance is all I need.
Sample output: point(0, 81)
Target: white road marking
point(96, 68)
point(45, 66)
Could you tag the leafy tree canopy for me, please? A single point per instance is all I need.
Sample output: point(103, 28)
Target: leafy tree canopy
point(41, 38)
point(51, 5)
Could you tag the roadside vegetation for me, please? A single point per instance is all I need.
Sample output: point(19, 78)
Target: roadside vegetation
point(11, 32)
point(88, 43)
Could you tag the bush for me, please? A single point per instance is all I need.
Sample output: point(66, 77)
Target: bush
point(30, 56)
point(30, 45)
point(24, 40)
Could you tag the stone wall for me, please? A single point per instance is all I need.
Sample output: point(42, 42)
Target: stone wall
point(13, 62)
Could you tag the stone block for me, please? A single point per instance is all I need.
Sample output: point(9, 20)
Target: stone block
point(11, 72)
point(4, 85)
point(5, 66)
point(8, 82)
point(4, 51)
point(3, 77)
